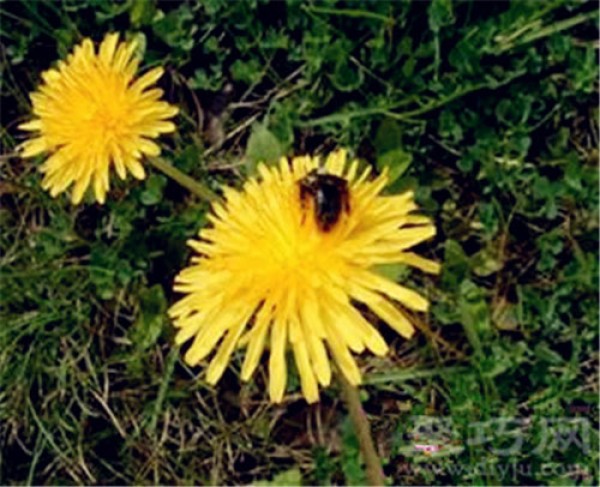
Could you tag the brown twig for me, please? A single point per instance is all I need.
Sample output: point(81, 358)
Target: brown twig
point(362, 429)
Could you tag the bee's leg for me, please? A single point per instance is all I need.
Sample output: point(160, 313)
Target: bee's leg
point(305, 194)
point(346, 200)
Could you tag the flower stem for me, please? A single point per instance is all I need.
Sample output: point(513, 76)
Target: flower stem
point(184, 180)
point(363, 432)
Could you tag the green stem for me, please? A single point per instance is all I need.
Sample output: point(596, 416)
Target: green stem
point(363, 432)
point(548, 30)
point(348, 13)
point(169, 368)
point(184, 180)
point(411, 114)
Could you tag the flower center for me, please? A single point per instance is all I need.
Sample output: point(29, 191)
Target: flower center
point(109, 121)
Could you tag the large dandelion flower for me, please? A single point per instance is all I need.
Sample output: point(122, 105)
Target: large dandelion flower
point(91, 114)
point(268, 271)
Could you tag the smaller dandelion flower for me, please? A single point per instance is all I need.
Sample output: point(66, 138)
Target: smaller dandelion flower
point(285, 262)
point(90, 113)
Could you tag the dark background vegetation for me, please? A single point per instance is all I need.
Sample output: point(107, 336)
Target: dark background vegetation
point(487, 109)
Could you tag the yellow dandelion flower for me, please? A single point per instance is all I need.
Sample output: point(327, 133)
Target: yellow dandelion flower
point(90, 113)
point(267, 271)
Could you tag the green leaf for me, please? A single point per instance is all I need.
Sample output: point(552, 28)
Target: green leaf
point(456, 265)
point(211, 80)
point(141, 12)
point(281, 123)
point(397, 162)
point(176, 28)
point(449, 127)
point(110, 10)
point(390, 151)
point(394, 272)
point(263, 146)
point(546, 354)
point(466, 162)
point(288, 477)
point(103, 262)
point(388, 136)
point(505, 315)
point(324, 465)
point(152, 317)
point(486, 262)
point(474, 312)
point(408, 68)
point(189, 158)
point(440, 13)
point(346, 77)
point(64, 40)
point(154, 190)
point(249, 72)
point(350, 455)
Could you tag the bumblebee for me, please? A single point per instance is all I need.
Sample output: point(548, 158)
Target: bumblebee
point(330, 196)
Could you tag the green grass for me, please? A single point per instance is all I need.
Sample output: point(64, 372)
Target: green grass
point(487, 110)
